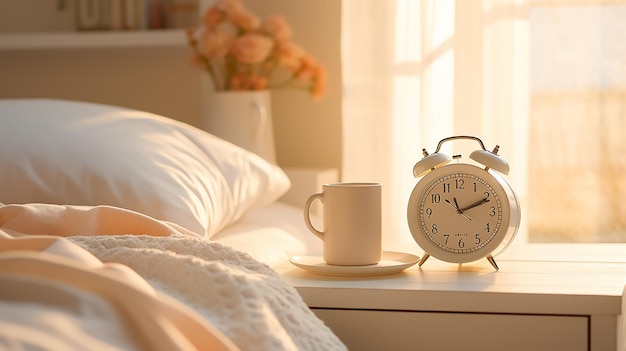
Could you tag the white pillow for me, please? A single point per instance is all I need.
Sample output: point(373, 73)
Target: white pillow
point(76, 153)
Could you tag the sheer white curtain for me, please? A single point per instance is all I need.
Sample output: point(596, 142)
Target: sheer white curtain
point(415, 72)
point(578, 122)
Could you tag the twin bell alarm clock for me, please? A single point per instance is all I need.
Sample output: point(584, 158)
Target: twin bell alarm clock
point(461, 212)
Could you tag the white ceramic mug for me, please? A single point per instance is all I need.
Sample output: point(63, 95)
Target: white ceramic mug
point(352, 223)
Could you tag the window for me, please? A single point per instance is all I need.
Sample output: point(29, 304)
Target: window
point(547, 80)
point(577, 131)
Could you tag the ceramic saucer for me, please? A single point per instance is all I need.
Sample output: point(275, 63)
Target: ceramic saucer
point(392, 262)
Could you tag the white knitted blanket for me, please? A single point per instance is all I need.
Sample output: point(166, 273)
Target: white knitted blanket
point(243, 298)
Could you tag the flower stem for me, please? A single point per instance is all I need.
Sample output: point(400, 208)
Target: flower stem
point(193, 43)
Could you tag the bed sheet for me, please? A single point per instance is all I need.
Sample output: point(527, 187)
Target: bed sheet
point(272, 234)
point(187, 289)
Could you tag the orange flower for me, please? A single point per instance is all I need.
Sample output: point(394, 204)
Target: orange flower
point(258, 83)
point(251, 48)
point(212, 17)
point(308, 67)
point(244, 20)
point(318, 89)
point(241, 52)
point(215, 43)
point(277, 27)
point(289, 55)
point(243, 81)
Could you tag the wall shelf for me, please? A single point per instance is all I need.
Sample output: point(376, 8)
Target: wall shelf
point(92, 39)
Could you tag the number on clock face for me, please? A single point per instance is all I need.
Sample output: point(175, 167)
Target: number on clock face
point(460, 212)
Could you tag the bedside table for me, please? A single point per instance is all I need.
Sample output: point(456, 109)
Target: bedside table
point(532, 303)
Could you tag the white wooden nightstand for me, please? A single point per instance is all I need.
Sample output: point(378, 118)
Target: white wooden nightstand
point(537, 301)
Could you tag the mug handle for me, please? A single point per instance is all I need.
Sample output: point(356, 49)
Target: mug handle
point(307, 214)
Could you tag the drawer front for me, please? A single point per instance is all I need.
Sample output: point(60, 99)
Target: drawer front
point(364, 330)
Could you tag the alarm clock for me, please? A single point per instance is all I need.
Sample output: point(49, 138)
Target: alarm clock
point(461, 212)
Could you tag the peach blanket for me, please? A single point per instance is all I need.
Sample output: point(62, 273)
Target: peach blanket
point(104, 278)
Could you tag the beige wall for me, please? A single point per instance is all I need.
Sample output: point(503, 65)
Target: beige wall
point(159, 80)
point(151, 79)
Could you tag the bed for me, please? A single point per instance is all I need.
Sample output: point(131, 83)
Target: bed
point(124, 230)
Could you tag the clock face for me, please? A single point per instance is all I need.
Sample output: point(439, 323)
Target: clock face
point(460, 212)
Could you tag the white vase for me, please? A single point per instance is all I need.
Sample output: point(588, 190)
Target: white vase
point(243, 118)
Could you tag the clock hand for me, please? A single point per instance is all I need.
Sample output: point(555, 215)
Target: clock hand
point(456, 207)
point(450, 203)
point(477, 203)
point(456, 204)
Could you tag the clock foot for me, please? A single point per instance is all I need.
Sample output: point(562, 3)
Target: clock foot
point(424, 258)
point(493, 262)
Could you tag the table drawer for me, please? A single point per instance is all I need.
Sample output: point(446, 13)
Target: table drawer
point(400, 330)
